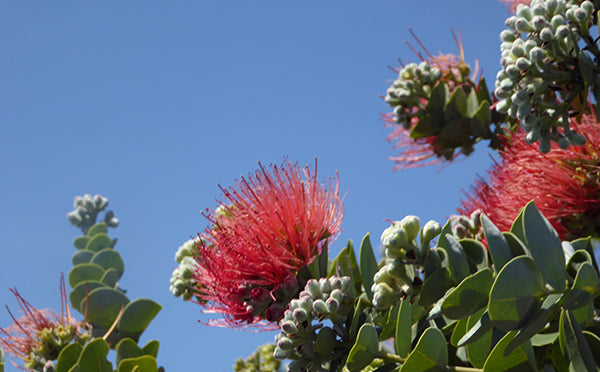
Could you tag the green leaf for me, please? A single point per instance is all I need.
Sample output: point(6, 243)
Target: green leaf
point(84, 272)
point(357, 319)
point(345, 265)
point(368, 265)
point(110, 278)
point(127, 348)
point(574, 343)
point(389, 327)
point(98, 242)
point(473, 104)
point(460, 328)
point(430, 354)
point(68, 357)
point(543, 339)
point(403, 338)
point(151, 348)
point(521, 359)
point(457, 259)
point(517, 226)
point(515, 295)
point(80, 291)
point(456, 106)
point(108, 258)
point(93, 357)
point(144, 363)
point(497, 244)
point(470, 295)
point(584, 315)
point(136, 317)
point(587, 69)
point(479, 349)
point(544, 244)
point(476, 254)
point(516, 246)
point(98, 228)
point(585, 287)
point(434, 287)
point(578, 258)
point(81, 241)
point(537, 323)
point(103, 306)
point(82, 256)
point(594, 343)
point(478, 325)
point(364, 350)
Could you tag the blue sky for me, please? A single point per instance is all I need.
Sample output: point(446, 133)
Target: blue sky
point(152, 103)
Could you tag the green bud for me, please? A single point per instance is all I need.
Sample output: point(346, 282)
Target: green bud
point(503, 106)
point(533, 135)
point(332, 305)
point(550, 6)
point(383, 296)
point(300, 315)
point(285, 343)
point(563, 143)
point(411, 225)
point(507, 36)
point(523, 25)
point(325, 286)
point(338, 295)
point(280, 354)
point(547, 34)
point(511, 22)
point(382, 276)
point(538, 9)
point(538, 22)
point(394, 237)
point(319, 307)
point(545, 145)
point(289, 328)
point(581, 15)
point(313, 288)
point(587, 6)
point(524, 12)
point(431, 230)
point(562, 32)
point(576, 139)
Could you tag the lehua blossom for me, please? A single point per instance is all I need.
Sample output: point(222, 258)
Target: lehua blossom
point(268, 226)
point(38, 336)
point(564, 184)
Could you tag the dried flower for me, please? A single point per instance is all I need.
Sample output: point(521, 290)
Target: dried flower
point(38, 336)
point(268, 227)
point(564, 184)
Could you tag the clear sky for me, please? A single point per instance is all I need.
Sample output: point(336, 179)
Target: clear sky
point(152, 103)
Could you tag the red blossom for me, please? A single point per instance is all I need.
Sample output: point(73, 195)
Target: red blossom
point(268, 226)
point(41, 334)
point(563, 183)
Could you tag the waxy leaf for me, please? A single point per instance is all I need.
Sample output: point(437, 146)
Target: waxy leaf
point(364, 350)
point(110, 278)
point(137, 316)
point(476, 254)
point(521, 359)
point(368, 265)
point(93, 357)
point(457, 259)
point(108, 258)
point(98, 228)
point(127, 348)
point(103, 306)
point(517, 226)
point(545, 246)
point(80, 292)
point(81, 241)
point(434, 287)
point(585, 287)
point(144, 363)
point(481, 326)
point(403, 337)
point(68, 357)
point(83, 256)
point(345, 265)
point(85, 272)
point(470, 295)
point(430, 354)
point(151, 348)
point(594, 343)
point(98, 242)
point(574, 343)
point(497, 244)
point(515, 295)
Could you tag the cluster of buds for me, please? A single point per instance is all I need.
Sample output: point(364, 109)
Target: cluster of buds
point(540, 83)
point(409, 92)
point(86, 209)
point(182, 277)
point(398, 276)
point(468, 226)
point(308, 344)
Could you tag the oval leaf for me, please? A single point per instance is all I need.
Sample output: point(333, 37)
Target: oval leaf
point(521, 359)
point(84, 272)
point(103, 306)
point(368, 265)
point(137, 315)
point(430, 354)
point(68, 357)
point(109, 259)
point(93, 357)
point(515, 294)
point(83, 256)
point(470, 295)
point(364, 350)
point(80, 291)
point(98, 242)
point(403, 337)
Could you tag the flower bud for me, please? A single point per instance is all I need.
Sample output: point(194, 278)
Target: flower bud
point(290, 328)
point(284, 343)
point(545, 145)
point(562, 32)
point(581, 15)
point(300, 315)
point(338, 295)
point(547, 34)
point(507, 36)
point(431, 230)
point(313, 288)
point(587, 6)
point(538, 22)
point(538, 9)
point(383, 296)
point(394, 237)
point(280, 354)
point(522, 64)
point(510, 22)
point(524, 11)
point(523, 25)
point(411, 225)
point(332, 305)
point(563, 143)
point(325, 286)
point(550, 6)
point(536, 54)
point(533, 135)
point(576, 139)
point(319, 307)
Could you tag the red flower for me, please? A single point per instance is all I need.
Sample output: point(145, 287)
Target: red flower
point(269, 226)
point(563, 183)
point(38, 336)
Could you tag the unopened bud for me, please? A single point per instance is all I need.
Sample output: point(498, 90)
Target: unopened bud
point(290, 328)
point(325, 286)
point(300, 315)
point(332, 305)
point(284, 343)
point(412, 225)
point(431, 230)
point(320, 307)
point(313, 288)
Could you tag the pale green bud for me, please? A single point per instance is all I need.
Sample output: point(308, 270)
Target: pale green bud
point(325, 286)
point(412, 225)
point(313, 288)
point(320, 307)
point(394, 237)
point(289, 328)
point(431, 230)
